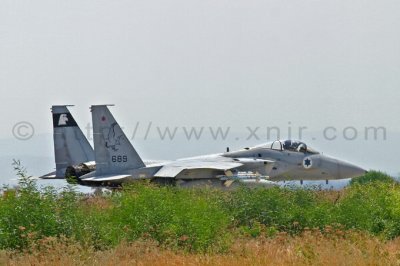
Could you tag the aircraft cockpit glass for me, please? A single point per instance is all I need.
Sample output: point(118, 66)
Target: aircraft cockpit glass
point(277, 145)
point(296, 146)
point(311, 151)
point(290, 145)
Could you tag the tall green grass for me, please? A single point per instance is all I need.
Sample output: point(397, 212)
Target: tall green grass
point(193, 220)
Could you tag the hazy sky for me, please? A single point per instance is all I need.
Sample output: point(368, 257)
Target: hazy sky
point(199, 63)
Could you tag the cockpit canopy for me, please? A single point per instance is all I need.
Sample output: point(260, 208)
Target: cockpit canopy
point(289, 145)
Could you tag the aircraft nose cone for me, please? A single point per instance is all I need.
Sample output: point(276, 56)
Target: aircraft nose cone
point(347, 170)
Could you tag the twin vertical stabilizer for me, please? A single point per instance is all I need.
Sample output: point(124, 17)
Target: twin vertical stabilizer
point(113, 150)
point(71, 147)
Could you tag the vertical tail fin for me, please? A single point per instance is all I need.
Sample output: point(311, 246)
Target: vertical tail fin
point(71, 147)
point(113, 150)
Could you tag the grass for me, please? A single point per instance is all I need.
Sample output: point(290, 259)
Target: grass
point(309, 248)
point(143, 223)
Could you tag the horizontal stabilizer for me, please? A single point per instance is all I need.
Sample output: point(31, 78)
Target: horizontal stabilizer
point(51, 175)
point(104, 178)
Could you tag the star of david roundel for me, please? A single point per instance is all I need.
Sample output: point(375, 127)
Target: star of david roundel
point(307, 163)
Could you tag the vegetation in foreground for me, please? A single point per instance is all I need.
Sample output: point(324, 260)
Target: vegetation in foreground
point(301, 224)
point(309, 248)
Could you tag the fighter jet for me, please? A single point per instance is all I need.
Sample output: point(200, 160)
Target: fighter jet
point(72, 150)
point(118, 162)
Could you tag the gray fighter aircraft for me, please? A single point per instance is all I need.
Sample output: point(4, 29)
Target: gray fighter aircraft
point(117, 162)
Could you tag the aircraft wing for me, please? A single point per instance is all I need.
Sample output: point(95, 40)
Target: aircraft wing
point(173, 169)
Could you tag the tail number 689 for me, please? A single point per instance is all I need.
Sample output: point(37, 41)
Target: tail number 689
point(119, 159)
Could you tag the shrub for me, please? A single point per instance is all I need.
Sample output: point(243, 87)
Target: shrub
point(372, 176)
point(173, 217)
point(287, 209)
point(373, 207)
